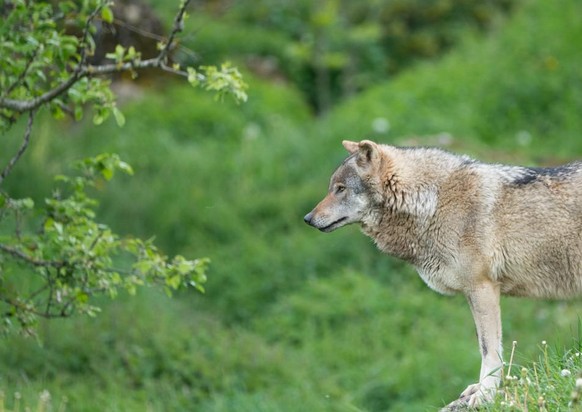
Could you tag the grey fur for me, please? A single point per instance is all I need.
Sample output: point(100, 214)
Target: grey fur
point(468, 227)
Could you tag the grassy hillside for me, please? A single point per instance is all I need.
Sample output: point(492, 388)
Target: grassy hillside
point(295, 320)
point(516, 91)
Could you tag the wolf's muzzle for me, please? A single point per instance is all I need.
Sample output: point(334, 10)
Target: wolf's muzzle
point(308, 218)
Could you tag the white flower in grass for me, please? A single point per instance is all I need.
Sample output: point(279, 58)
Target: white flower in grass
point(565, 373)
point(523, 137)
point(380, 125)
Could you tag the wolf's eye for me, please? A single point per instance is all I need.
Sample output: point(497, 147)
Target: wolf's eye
point(340, 188)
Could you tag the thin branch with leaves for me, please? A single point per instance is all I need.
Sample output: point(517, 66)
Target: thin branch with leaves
point(125, 62)
point(55, 256)
point(25, 142)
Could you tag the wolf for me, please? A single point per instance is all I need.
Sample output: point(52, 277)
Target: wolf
point(468, 227)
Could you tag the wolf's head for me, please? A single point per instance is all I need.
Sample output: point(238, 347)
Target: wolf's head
point(353, 190)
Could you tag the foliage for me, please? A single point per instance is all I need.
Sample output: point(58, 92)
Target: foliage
point(69, 256)
point(73, 257)
point(336, 48)
point(51, 67)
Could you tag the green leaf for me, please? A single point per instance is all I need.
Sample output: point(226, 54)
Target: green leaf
point(107, 14)
point(49, 224)
point(125, 167)
point(174, 281)
point(57, 112)
point(82, 297)
point(143, 266)
point(107, 173)
point(119, 117)
point(193, 77)
point(27, 203)
point(58, 227)
point(100, 116)
point(78, 111)
point(119, 52)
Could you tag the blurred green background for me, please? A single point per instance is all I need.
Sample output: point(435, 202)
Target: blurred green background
point(295, 320)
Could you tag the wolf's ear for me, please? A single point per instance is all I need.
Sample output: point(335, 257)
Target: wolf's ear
point(351, 147)
point(368, 153)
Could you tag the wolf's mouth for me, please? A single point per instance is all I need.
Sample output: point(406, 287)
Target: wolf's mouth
point(332, 225)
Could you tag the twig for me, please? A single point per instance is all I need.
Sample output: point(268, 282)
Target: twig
point(85, 36)
point(175, 71)
point(38, 292)
point(68, 306)
point(66, 109)
point(35, 262)
point(23, 307)
point(23, 74)
point(150, 35)
point(49, 299)
point(178, 27)
point(22, 148)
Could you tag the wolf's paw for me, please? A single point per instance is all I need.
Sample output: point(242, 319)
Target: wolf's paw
point(477, 394)
point(474, 396)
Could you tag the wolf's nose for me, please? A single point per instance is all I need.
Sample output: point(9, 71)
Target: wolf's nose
point(307, 218)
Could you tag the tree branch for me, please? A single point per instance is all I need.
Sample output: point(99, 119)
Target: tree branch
point(22, 106)
point(83, 70)
point(21, 150)
point(24, 257)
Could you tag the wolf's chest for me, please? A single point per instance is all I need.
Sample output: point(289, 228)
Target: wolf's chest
point(442, 281)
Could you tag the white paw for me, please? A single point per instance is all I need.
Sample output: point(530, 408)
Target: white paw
point(474, 396)
point(478, 394)
point(470, 391)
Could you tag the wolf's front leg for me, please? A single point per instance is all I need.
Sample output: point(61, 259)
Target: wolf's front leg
point(484, 302)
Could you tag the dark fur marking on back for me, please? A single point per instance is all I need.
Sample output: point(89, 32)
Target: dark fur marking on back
point(533, 174)
point(529, 176)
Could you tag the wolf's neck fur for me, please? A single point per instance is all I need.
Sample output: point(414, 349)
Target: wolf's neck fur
point(396, 235)
point(402, 225)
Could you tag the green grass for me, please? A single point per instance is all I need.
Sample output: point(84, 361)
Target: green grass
point(552, 383)
point(295, 320)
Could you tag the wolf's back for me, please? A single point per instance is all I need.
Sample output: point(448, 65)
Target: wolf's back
point(537, 220)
